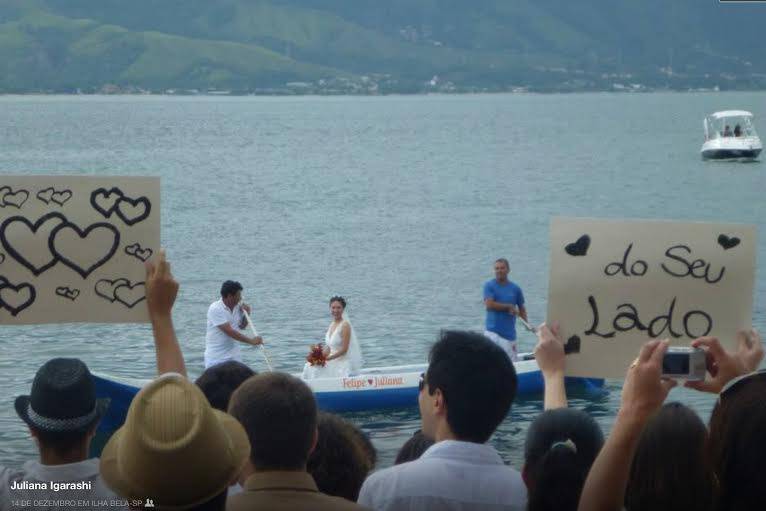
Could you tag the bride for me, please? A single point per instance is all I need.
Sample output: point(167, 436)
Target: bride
point(344, 357)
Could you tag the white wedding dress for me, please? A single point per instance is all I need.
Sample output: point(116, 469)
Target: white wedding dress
point(340, 367)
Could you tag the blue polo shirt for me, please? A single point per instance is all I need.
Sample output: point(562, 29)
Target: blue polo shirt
point(500, 322)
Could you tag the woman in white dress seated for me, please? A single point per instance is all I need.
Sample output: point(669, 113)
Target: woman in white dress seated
point(341, 349)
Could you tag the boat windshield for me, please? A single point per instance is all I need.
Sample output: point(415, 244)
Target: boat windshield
point(734, 126)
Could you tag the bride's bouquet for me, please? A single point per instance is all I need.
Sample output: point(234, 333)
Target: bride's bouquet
point(316, 356)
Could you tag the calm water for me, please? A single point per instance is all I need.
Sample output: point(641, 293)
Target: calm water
point(401, 204)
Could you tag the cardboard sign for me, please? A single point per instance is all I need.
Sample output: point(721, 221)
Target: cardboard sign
point(615, 284)
point(72, 249)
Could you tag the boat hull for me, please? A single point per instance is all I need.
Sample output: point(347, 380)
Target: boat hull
point(372, 389)
point(732, 148)
point(731, 154)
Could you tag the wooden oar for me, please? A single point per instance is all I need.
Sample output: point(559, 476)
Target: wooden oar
point(255, 334)
point(527, 325)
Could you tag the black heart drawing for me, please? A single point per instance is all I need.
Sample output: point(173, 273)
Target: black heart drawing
point(10, 198)
point(2, 258)
point(66, 228)
point(11, 300)
point(59, 197)
point(579, 247)
point(43, 243)
point(136, 251)
point(105, 288)
point(105, 201)
point(133, 211)
point(66, 292)
point(572, 345)
point(129, 295)
point(45, 195)
point(727, 242)
point(3, 282)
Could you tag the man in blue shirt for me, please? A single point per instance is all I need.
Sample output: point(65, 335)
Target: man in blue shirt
point(504, 301)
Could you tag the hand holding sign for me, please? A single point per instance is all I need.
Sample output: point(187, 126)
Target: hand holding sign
point(161, 287)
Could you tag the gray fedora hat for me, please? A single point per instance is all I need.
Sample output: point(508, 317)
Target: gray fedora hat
point(63, 398)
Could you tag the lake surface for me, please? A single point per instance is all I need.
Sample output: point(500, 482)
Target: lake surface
point(400, 204)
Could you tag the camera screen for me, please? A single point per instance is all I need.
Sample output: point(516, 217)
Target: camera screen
point(675, 363)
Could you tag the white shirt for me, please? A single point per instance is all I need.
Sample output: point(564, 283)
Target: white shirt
point(452, 475)
point(219, 347)
point(93, 495)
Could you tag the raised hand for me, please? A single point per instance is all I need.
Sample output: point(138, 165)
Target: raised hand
point(549, 351)
point(645, 390)
point(723, 366)
point(161, 287)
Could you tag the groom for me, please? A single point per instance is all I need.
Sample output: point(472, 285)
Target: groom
point(225, 319)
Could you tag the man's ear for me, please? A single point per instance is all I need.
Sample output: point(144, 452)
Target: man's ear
point(314, 441)
point(439, 403)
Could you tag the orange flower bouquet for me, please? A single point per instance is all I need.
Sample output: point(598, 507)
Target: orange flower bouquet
point(316, 356)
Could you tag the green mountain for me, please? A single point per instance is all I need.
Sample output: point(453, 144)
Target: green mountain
point(378, 46)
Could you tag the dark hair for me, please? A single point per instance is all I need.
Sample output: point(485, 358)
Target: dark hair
point(61, 442)
point(279, 414)
point(338, 299)
point(413, 448)
point(671, 469)
point(220, 381)
point(560, 448)
point(505, 262)
point(736, 447)
point(338, 464)
point(364, 442)
point(478, 382)
point(229, 288)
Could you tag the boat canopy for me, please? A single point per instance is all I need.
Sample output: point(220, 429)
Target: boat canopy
point(731, 123)
point(731, 113)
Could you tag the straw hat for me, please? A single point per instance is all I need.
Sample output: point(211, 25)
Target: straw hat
point(174, 448)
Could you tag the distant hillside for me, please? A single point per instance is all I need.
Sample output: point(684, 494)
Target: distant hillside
point(378, 46)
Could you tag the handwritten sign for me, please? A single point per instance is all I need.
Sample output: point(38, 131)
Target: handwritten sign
point(72, 249)
point(614, 284)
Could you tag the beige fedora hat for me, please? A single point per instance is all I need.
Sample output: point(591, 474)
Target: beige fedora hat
point(174, 448)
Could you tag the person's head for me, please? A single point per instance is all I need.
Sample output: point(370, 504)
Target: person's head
point(231, 293)
point(338, 464)
point(502, 268)
point(220, 381)
point(175, 448)
point(467, 389)
point(364, 442)
point(671, 469)
point(337, 306)
point(560, 448)
point(279, 413)
point(736, 447)
point(413, 448)
point(62, 411)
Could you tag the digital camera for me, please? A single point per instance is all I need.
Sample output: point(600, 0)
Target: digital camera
point(683, 363)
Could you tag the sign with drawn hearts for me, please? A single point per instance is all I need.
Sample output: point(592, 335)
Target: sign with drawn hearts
point(73, 247)
point(614, 284)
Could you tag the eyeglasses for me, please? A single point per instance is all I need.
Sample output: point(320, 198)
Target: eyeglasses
point(422, 382)
point(737, 382)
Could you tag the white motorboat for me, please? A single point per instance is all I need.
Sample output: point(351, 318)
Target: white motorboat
point(730, 135)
